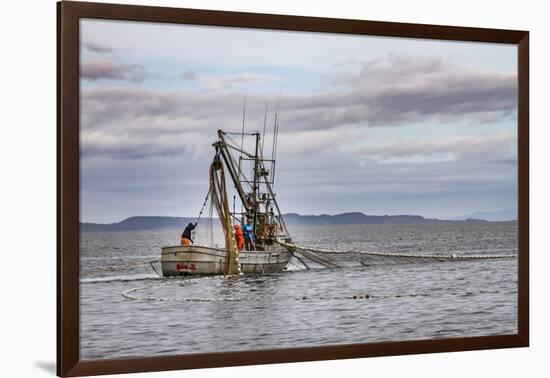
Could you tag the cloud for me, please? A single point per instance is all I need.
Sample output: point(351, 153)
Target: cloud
point(497, 147)
point(189, 75)
point(394, 91)
point(404, 89)
point(104, 69)
point(306, 142)
point(224, 82)
point(400, 90)
point(97, 48)
point(134, 123)
point(119, 108)
point(138, 147)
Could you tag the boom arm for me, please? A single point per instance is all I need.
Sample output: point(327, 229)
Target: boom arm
point(223, 148)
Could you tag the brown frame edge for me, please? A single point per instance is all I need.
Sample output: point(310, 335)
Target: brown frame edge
point(68, 15)
point(211, 360)
point(67, 188)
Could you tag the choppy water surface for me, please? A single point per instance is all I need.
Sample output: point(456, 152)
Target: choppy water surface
point(298, 308)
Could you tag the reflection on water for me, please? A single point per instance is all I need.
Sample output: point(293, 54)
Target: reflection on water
point(356, 304)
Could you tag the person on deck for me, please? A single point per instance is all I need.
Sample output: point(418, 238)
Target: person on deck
point(239, 236)
point(186, 235)
point(248, 233)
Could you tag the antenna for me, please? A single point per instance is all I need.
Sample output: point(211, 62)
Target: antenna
point(242, 144)
point(242, 133)
point(275, 135)
point(263, 134)
point(274, 130)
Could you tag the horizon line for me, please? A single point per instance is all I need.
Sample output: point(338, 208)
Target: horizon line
point(303, 215)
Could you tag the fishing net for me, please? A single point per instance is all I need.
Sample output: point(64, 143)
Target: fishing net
point(309, 257)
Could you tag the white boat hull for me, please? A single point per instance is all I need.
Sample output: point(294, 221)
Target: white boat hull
point(200, 260)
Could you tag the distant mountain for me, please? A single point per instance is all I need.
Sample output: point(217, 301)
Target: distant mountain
point(359, 218)
point(495, 216)
point(139, 224)
point(154, 223)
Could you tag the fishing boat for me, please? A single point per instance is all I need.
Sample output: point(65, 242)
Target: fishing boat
point(268, 248)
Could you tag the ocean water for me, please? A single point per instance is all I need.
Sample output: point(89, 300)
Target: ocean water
point(127, 310)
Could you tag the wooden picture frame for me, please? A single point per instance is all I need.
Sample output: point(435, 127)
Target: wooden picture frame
point(69, 13)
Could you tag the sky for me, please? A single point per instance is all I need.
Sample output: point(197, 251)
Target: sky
point(373, 124)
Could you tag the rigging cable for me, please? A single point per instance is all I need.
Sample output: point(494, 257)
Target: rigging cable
point(204, 203)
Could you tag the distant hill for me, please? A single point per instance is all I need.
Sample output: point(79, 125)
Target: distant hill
point(139, 224)
point(359, 218)
point(154, 223)
point(495, 216)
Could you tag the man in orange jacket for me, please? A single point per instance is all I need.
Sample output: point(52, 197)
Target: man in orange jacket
point(239, 236)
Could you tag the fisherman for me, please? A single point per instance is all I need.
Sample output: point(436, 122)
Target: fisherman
point(186, 235)
point(248, 233)
point(239, 236)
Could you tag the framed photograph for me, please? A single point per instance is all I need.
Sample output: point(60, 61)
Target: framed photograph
point(238, 188)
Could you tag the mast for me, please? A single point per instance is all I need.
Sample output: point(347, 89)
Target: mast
point(256, 184)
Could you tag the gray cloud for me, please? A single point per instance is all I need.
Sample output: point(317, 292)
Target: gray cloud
point(400, 90)
point(189, 75)
point(135, 123)
point(396, 91)
point(97, 48)
point(499, 146)
point(118, 110)
point(136, 146)
point(104, 69)
point(224, 82)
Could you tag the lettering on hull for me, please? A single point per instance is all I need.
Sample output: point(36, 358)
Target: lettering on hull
point(185, 267)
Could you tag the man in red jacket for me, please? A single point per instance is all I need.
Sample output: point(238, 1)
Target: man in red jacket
point(239, 236)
